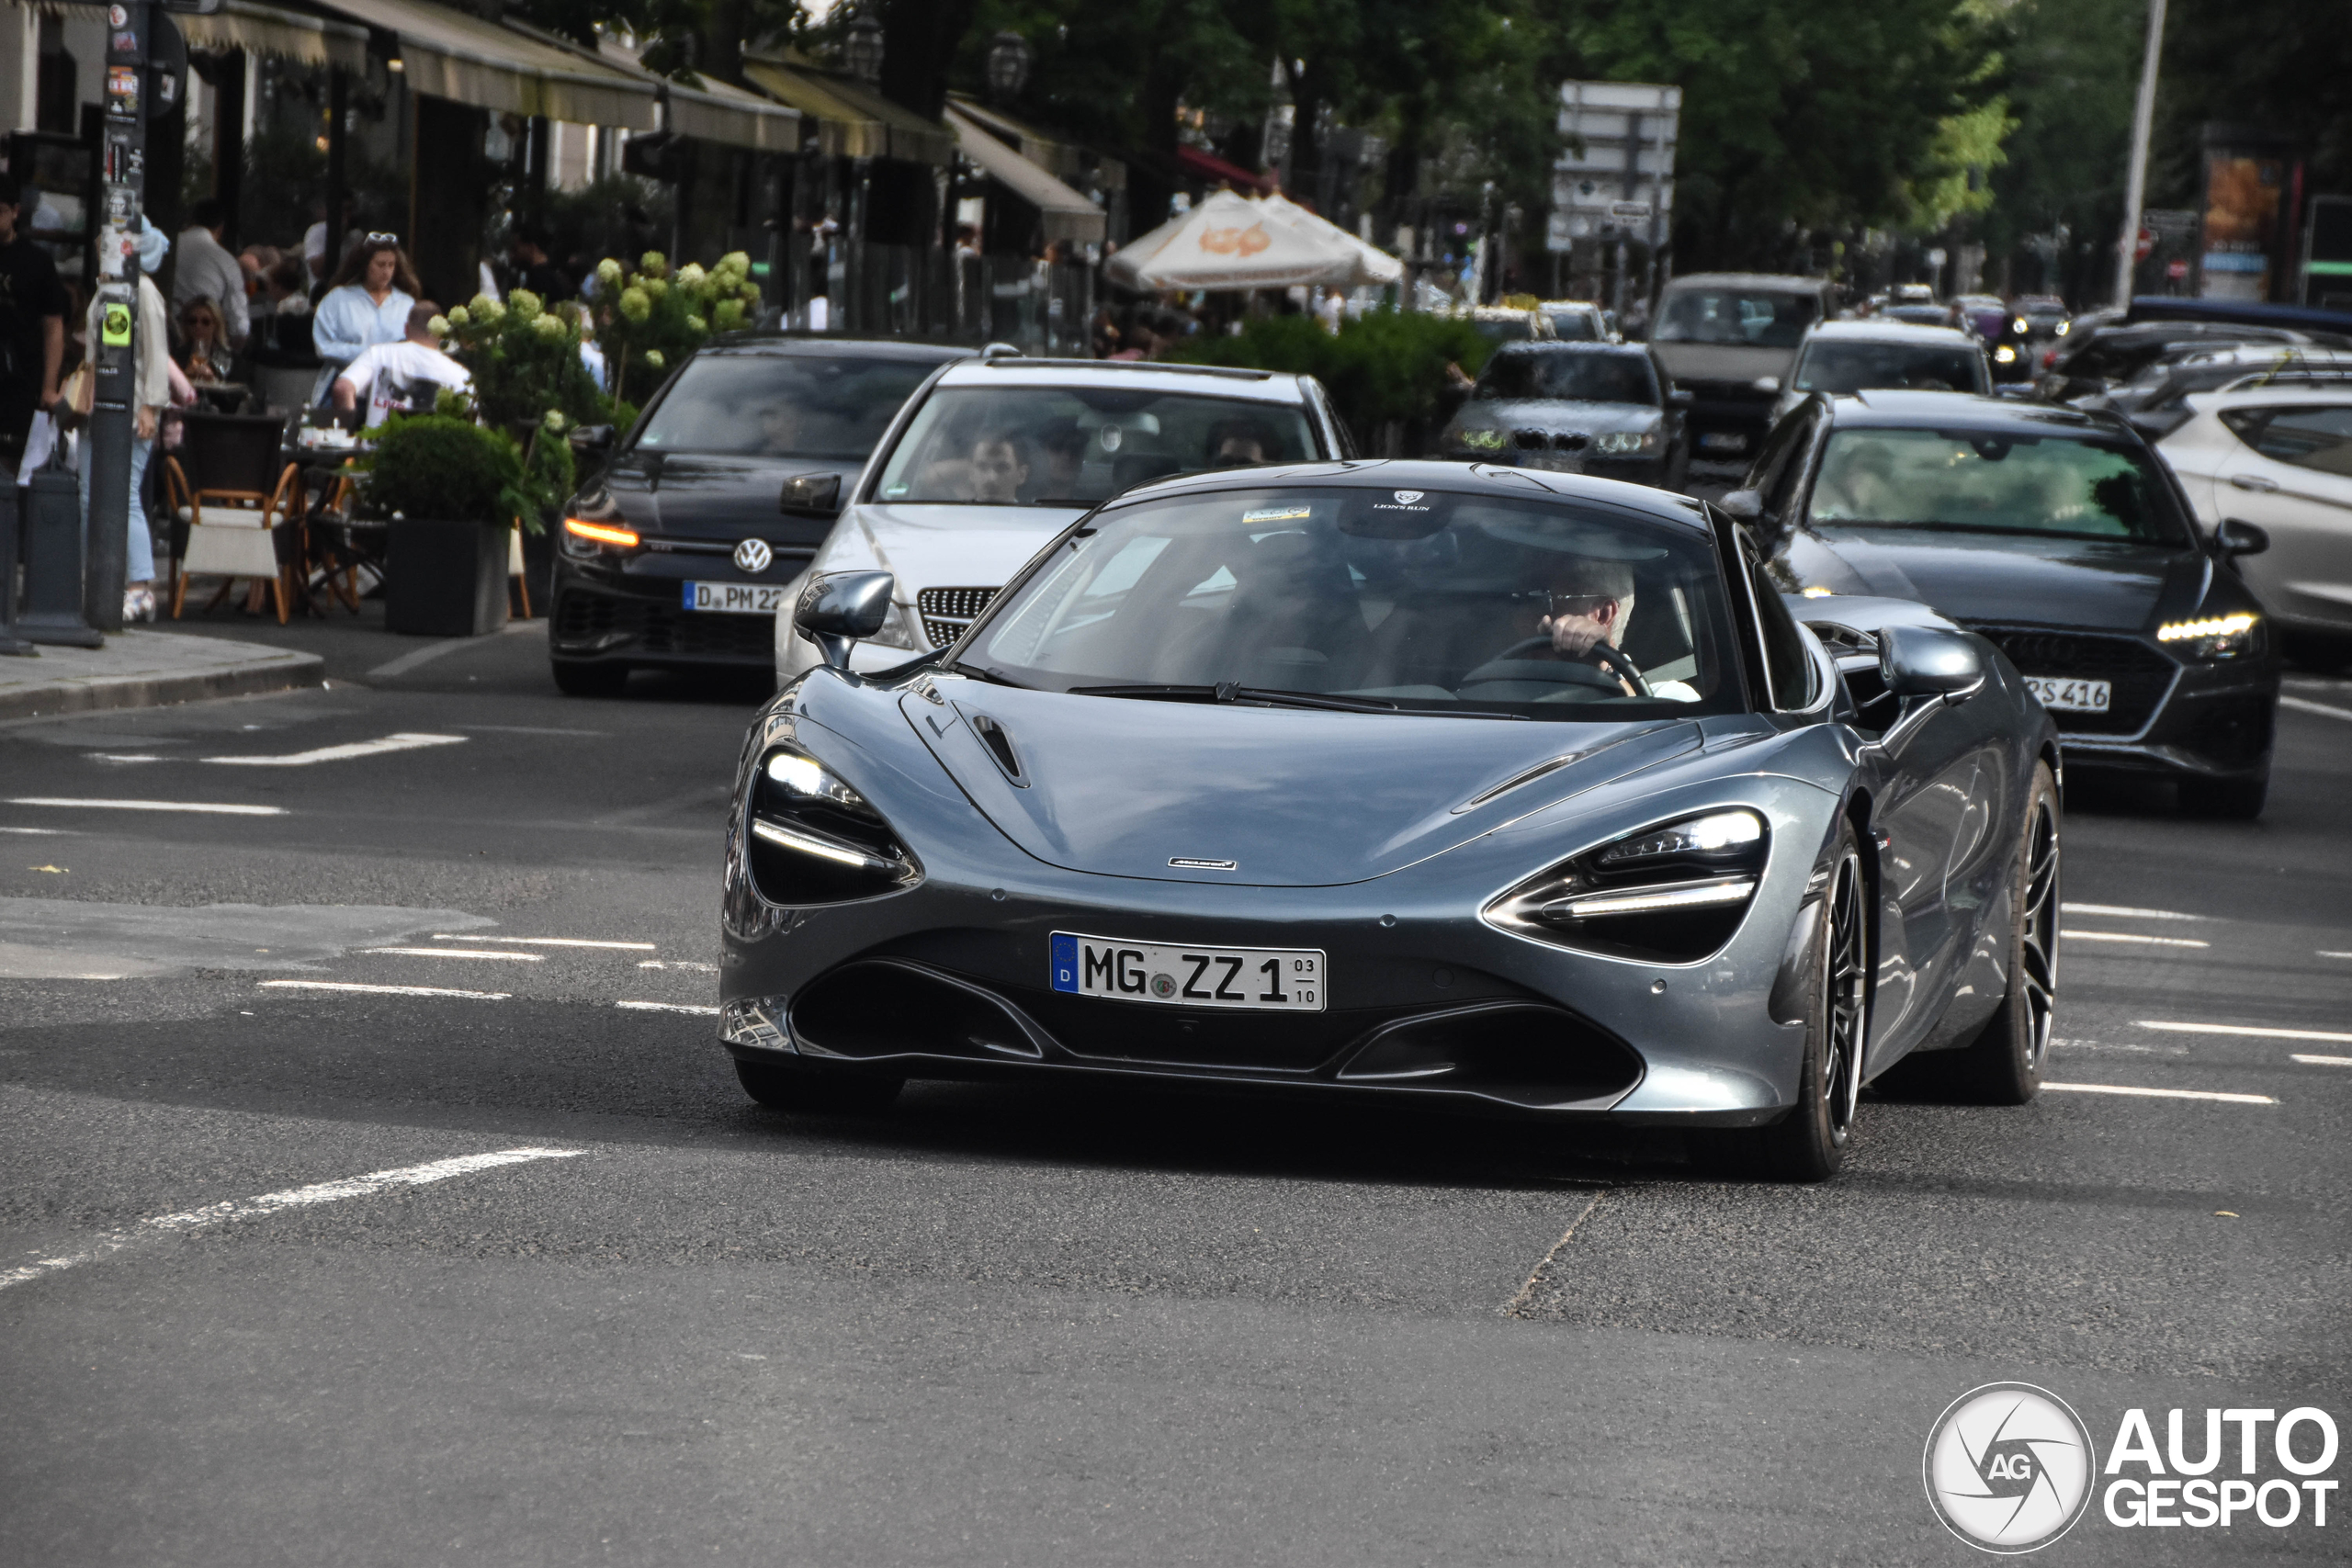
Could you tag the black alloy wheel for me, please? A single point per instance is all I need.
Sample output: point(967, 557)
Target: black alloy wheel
point(1809, 1143)
point(808, 1089)
point(2003, 1067)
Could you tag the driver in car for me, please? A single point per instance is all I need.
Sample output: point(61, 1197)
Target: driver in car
point(1591, 603)
point(999, 467)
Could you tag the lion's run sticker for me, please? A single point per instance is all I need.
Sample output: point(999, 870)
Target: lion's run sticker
point(1278, 515)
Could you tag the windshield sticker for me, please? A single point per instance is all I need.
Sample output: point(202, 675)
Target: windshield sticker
point(1278, 515)
point(1405, 499)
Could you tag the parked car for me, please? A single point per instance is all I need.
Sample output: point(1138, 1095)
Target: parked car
point(1853, 356)
point(1730, 338)
point(2280, 458)
point(676, 551)
point(998, 456)
point(1284, 780)
point(2094, 360)
point(1594, 408)
point(1579, 321)
point(2061, 537)
point(2157, 399)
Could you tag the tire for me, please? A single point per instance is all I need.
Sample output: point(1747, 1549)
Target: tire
point(2225, 800)
point(818, 1091)
point(1809, 1143)
point(576, 679)
point(2003, 1064)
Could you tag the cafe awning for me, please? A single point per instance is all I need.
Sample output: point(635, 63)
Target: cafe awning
point(448, 53)
point(710, 110)
point(1078, 167)
point(852, 119)
point(1065, 213)
point(266, 29)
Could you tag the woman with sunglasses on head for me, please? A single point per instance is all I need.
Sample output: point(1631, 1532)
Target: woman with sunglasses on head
point(206, 356)
point(367, 302)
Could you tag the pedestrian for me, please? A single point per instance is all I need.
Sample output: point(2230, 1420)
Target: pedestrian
point(527, 265)
point(208, 271)
point(32, 328)
point(367, 302)
point(404, 376)
point(151, 390)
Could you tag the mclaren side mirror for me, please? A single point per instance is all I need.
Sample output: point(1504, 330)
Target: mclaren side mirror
point(1743, 505)
point(2238, 537)
point(1925, 662)
point(812, 495)
point(838, 609)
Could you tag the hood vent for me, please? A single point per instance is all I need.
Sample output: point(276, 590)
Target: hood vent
point(1000, 747)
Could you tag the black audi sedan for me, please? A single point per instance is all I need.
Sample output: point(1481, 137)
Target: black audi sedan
point(677, 550)
point(1607, 409)
point(2059, 536)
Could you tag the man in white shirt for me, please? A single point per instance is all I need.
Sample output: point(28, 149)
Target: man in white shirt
point(401, 378)
point(207, 271)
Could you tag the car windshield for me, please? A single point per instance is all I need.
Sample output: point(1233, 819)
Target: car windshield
point(1566, 374)
point(1051, 445)
point(1517, 327)
point(1994, 481)
point(780, 405)
point(1381, 600)
point(1575, 326)
point(1753, 318)
point(1864, 367)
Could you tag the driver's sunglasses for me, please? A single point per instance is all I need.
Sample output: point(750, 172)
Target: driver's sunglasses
point(1585, 604)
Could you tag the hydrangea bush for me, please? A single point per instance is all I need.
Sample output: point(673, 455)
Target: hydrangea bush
point(525, 358)
point(650, 320)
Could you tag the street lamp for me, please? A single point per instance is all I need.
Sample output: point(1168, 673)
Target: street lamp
point(862, 49)
point(1009, 58)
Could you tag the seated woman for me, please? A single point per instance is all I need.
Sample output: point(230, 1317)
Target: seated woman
point(204, 352)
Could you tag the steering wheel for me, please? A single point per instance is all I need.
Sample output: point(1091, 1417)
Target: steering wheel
point(1610, 660)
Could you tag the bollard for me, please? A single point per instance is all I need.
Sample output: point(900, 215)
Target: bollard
point(9, 641)
point(53, 558)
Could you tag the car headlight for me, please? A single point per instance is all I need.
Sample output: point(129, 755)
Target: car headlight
point(897, 631)
point(585, 537)
point(1624, 443)
point(1480, 440)
point(2213, 637)
point(814, 839)
point(2003, 355)
point(1672, 894)
point(2063, 326)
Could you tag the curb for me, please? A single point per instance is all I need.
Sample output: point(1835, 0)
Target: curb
point(96, 694)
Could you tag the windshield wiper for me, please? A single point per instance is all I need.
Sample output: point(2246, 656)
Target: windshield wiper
point(1262, 696)
point(982, 672)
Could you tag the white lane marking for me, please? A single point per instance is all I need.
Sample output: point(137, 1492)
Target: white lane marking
point(404, 741)
point(381, 990)
point(2322, 951)
point(2132, 936)
point(2249, 1030)
point(42, 832)
point(270, 1203)
point(207, 808)
point(2304, 704)
point(461, 953)
point(2160, 1093)
point(2125, 912)
point(686, 963)
point(416, 656)
point(2320, 1060)
point(545, 941)
point(670, 1007)
point(125, 757)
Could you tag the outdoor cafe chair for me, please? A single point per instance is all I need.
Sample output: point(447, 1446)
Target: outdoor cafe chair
point(229, 486)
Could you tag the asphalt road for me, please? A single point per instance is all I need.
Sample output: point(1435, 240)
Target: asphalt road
point(1006, 1325)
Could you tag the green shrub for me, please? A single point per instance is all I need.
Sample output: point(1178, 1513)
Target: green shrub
point(525, 358)
point(1382, 366)
point(443, 466)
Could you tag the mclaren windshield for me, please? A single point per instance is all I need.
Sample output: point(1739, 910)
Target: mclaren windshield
point(1374, 600)
point(1076, 445)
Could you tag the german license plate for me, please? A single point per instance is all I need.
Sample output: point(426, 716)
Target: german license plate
point(1722, 441)
point(735, 598)
point(2060, 694)
point(1268, 979)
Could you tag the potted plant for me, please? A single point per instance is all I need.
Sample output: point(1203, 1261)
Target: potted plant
point(452, 490)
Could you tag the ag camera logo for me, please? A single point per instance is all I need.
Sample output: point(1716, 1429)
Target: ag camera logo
point(2008, 1468)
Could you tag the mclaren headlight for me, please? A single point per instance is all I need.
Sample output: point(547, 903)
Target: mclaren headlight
point(814, 839)
point(1624, 443)
point(1672, 894)
point(2212, 638)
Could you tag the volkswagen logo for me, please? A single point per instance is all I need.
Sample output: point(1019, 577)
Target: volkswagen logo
point(2009, 1467)
point(1407, 497)
point(753, 556)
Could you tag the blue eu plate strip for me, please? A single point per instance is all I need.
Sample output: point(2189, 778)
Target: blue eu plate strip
point(1064, 957)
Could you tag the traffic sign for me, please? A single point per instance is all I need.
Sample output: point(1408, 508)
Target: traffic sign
point(2147, 244)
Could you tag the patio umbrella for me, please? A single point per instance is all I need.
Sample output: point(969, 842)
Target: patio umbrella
point(1374, 265)
point(1227, 242)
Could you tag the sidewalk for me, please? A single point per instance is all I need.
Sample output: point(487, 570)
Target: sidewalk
point(147, 669)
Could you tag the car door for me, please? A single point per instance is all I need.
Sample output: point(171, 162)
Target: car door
point(2291, 474)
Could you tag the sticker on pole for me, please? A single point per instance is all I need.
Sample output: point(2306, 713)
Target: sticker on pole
point(114, 327)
